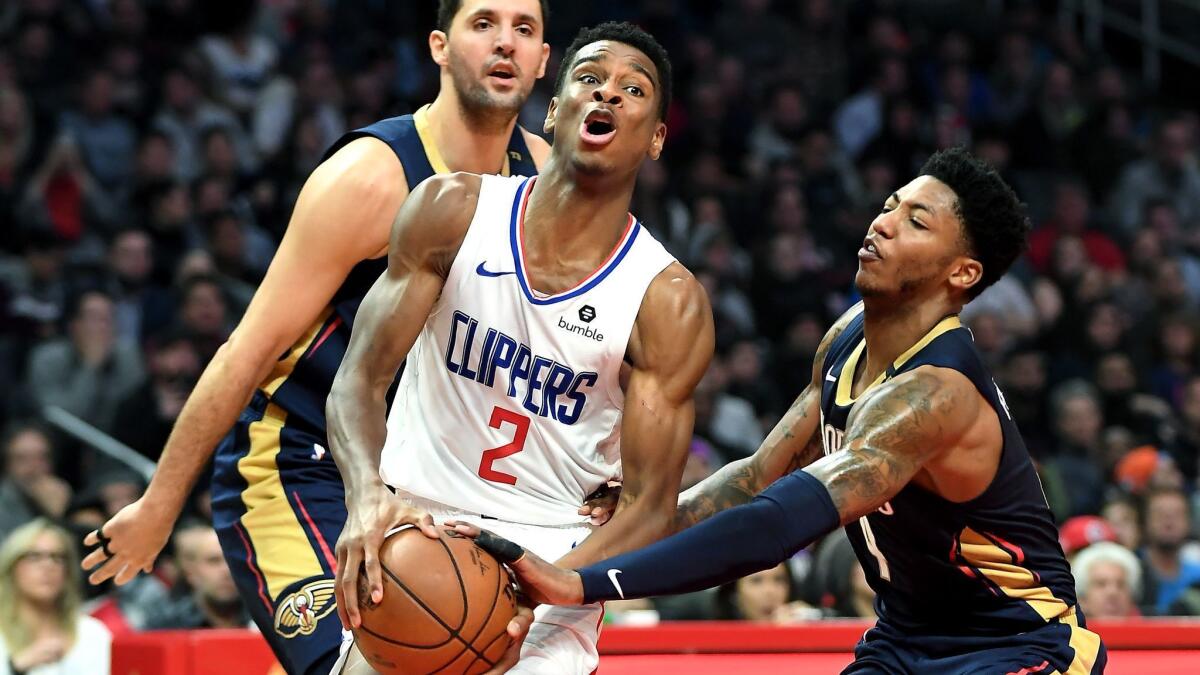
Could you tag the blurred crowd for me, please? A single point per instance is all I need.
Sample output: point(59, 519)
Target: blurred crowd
point(151, 152)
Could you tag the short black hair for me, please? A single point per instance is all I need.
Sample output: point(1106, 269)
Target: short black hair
point(629, 34)
point(994, 221)
point(448, 8)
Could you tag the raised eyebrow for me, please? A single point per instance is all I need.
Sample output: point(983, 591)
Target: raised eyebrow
point(644, 71)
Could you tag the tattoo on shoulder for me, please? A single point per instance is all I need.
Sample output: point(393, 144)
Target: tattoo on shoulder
point(888, 440)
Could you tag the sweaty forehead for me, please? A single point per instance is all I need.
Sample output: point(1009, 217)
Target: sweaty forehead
point(609, 51)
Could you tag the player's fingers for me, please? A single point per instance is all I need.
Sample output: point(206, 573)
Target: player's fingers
point(127, 573)
point(93, 559)
point(348, 597)
point(91, 539)
point(519, 626)
point(339, 602)
point(374, 575)
point(425, 524)
point(464, 529)
point(106, 572)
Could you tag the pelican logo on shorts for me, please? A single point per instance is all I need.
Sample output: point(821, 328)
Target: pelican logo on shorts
point(587, 313)
point(299, 612)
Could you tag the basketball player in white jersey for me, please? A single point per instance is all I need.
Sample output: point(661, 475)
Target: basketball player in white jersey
point(516, 301)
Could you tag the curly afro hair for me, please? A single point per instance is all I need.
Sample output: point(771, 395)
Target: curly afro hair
point(629, 34)
point(995, 226)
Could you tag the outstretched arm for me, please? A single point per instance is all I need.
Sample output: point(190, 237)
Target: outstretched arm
point(343, 215)
point(670, 349)
point(426, 235)
point(890, 436)
point(794, 443)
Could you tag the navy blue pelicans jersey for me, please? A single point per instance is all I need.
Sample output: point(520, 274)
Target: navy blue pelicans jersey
point(987, 567)
point(300, 381)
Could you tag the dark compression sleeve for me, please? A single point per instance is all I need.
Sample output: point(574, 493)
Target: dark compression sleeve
point(789, 515)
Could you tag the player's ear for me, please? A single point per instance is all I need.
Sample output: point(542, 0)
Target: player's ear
point(437, 48)
point(966, 273)
point(660, 137)
point(551, 116)
point(545, 59)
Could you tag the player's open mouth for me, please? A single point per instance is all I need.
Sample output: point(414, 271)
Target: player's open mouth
point(599, 127)
point(502, 71)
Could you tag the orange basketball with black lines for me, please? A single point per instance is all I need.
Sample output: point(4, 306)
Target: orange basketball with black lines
point(446, 606)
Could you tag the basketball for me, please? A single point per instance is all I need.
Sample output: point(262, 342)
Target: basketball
point(446, 605)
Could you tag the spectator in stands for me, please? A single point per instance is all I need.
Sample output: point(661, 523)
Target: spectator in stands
point(145, 417)
point(141, 306)
point(106, 139)
point(1167, 527)
point(91, 371)
point(40, 620)
point(1170, 173)
point(184, 117)
point(1108, 580)
point(30, 489)
point(1072, 216)
point(208, 597)
point(838, 582)
point(204, 314)
point(1080, 532)
point(1122, 516)
point(762, 596)
point(1078, 421)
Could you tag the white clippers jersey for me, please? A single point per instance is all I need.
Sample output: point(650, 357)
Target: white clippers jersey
point(510, 403)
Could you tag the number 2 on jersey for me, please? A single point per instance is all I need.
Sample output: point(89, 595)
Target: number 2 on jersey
point(499, 417)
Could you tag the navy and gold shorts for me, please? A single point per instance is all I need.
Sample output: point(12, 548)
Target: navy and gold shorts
point(278, 508)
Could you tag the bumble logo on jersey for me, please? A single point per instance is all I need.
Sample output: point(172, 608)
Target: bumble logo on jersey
point(543, 386)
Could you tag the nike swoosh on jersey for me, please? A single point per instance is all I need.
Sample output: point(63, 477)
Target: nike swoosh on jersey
point(485, 273)
point(612, 576)
point(829, 377)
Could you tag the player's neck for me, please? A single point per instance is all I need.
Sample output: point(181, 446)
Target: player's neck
point(463, 142)
point(571, 213)
point(892, 328)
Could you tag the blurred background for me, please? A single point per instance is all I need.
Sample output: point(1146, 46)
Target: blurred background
point(151, 152)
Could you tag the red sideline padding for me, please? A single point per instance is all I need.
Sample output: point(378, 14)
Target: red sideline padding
point(1142, 646)
point(717, 637)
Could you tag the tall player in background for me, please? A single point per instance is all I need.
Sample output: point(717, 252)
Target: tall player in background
point(922, 464)
point(278, 501)
point(516, 302)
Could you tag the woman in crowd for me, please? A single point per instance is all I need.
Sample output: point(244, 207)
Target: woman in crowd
point(44, 632)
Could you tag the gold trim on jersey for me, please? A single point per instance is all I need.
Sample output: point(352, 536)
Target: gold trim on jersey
point(281, 546)
point(1000, 567)
point(284, 367)
point(845, 382)
point(425, 133)
point(1086, 645)
point(1016, 581)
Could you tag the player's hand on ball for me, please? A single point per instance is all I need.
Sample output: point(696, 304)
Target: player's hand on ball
point(543, 582)
point(518, 628)
point(129, 542)
point(600, 506)
point(368, 520)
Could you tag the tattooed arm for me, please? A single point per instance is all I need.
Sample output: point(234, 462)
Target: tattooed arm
point(892, 433)
point(794, 443)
